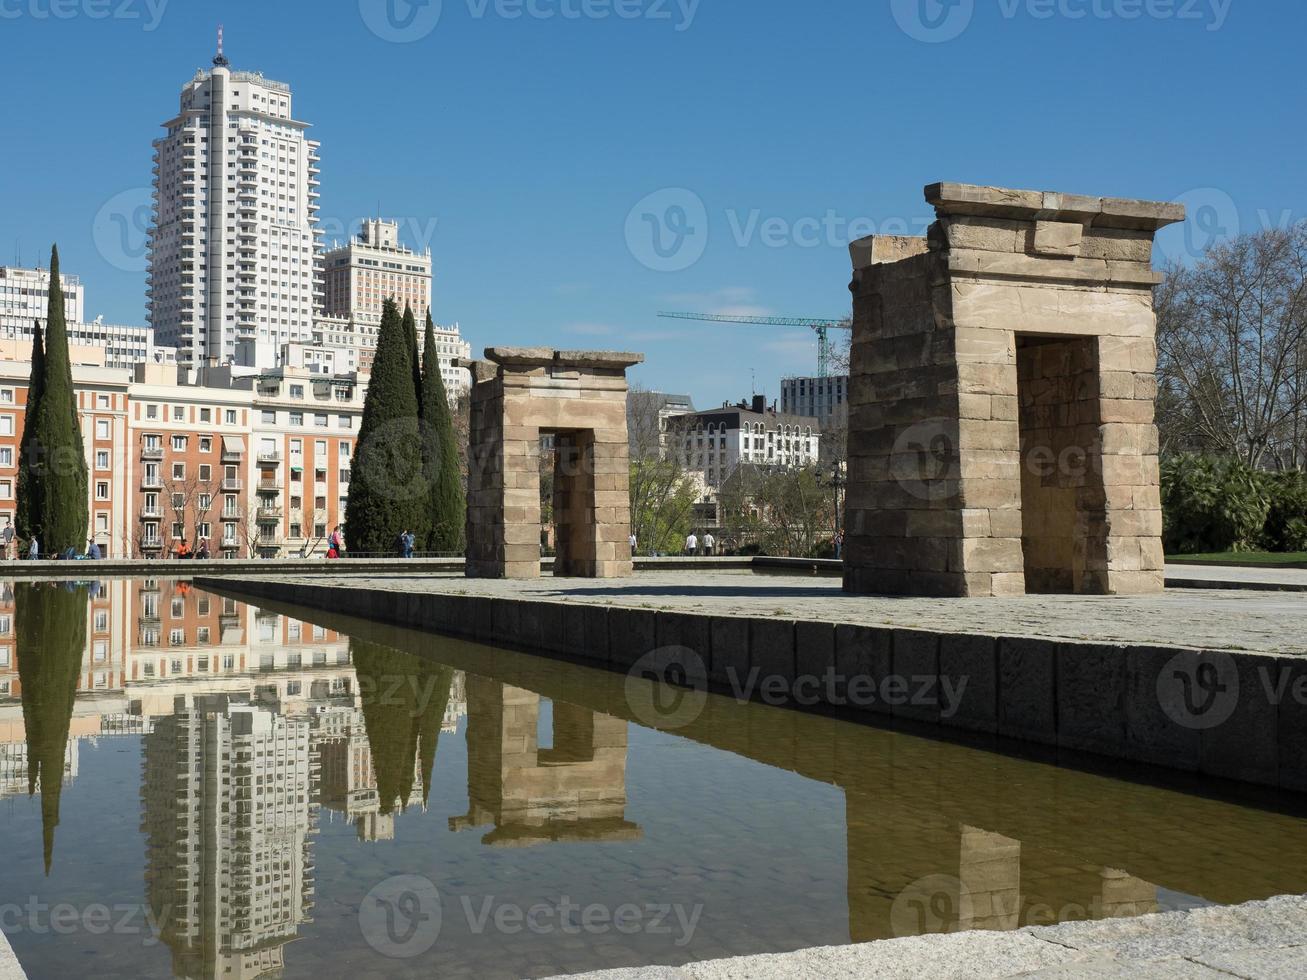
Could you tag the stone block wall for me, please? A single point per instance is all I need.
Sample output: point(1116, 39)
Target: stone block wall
point(518, 395)
point(946, 418)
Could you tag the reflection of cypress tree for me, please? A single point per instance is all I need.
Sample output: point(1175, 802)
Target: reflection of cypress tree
point(51, 638)
point(404, 699)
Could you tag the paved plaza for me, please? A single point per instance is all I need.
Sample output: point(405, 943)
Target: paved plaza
point(1211, 619)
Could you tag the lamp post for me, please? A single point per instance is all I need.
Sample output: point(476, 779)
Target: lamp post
point(836, 481)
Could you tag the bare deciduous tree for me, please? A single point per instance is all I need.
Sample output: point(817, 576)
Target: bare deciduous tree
point(1232, 351)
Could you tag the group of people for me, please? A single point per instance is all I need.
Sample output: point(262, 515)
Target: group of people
point(692, 544)
point(9, 544)
point(405, 543)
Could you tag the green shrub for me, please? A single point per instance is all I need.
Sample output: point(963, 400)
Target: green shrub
point(1211, 505)
point(1286, 521)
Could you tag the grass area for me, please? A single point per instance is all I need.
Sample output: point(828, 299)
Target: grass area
point(1244, 558)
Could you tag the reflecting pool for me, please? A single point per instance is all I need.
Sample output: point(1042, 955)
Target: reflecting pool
point(191, 786)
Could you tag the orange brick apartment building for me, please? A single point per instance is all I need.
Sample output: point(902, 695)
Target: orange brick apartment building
point(253, 465)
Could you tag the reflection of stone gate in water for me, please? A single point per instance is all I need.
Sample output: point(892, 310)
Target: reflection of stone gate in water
point(1001, 435)
point(574, 791)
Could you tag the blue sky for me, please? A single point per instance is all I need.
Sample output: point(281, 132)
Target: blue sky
point(539, 146)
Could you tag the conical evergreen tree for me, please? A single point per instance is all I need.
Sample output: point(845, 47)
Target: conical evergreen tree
point(28, 507)
point(422, 518)
point(447, 506)
point(51, 639)
point(59, 460)
point(388, 490)
point(411, 332)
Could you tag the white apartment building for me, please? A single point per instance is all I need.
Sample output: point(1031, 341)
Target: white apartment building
point(717, 441)
point(25, 293)
point(819, 398)
point(233, 251)
point(124, 345)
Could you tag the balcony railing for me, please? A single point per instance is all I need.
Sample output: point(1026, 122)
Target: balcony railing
point(149, 482)
point(269, 513)
point(266, 484)
point(232, 484)
point(151, 452)
point(151, 512)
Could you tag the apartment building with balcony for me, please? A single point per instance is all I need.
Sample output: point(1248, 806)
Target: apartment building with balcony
point(233, 253)
point(25, 294)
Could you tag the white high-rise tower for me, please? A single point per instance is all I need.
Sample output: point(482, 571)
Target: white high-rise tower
point(234, 270)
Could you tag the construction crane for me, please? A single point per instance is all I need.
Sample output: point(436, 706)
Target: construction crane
point(821, 327)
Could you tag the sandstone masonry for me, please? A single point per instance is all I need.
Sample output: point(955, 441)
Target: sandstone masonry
point(1002, 389)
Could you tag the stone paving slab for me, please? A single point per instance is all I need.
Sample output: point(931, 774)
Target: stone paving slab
point(1263, 622)
point(10, 968)
point(1257, 941)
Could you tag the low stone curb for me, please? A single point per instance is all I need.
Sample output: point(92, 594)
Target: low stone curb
point(1115, 700)
point(1258, 940)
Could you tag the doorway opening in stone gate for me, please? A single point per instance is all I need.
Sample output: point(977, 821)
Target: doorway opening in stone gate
point(1063, 503)
point(576, 523)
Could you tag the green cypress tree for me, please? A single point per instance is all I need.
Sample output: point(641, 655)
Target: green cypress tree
point(411, 332)
point(59, 473)
point(388, 490)
point(447, 506)
point(28, 507)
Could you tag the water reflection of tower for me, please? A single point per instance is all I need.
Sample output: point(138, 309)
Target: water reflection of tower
point(228, 816)
point(348, 781)
point(457, 706)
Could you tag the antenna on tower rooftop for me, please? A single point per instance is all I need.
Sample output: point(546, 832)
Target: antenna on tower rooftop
point(220, 59)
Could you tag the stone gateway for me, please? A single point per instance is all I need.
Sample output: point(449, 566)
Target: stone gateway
point(1001, 399)
point(579, 397)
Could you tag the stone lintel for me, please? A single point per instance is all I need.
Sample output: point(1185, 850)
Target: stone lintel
point(548, 357)
point(480, 370)
point(1001, 202)
point(879, 249)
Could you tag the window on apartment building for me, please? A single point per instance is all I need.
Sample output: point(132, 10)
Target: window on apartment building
point(178, 532)
point(176, 638)
point(268, 417)
point(101, 459)
point(6, 457)
point(206, 530)
point(151, 411)
point(5, 657)
point(296, 391)
point(206, 444)
point(206, 415)
point(99, 651)
point(102, 401)
point(202, 636)
point(178, 609)
point(206, 472)
point(179, 443)
point(346, 421)
point(229, 505)
point(6, 396)
point(296, 503)
point(179, 413)
point(295, 531)
point(101, 489)
point(6, 425)
point(6, 625)
point(178, 501)
point(102, 523)
point(320, 420)
point(102, 428)
point(230, 416)
point(6, 489)
point(179, 471)
point(296, 418)
point(320, 447)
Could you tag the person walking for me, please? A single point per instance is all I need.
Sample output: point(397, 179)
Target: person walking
point(691, 544)
point(709, 543)
point(401, 542)
point(632, 543)
point(203, 553)
point(335, 543)
point(33, 548)
point(410, 539)
point(839, 544)
point(7, 536)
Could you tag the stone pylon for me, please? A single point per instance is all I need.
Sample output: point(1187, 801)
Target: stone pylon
point(1001, 399)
